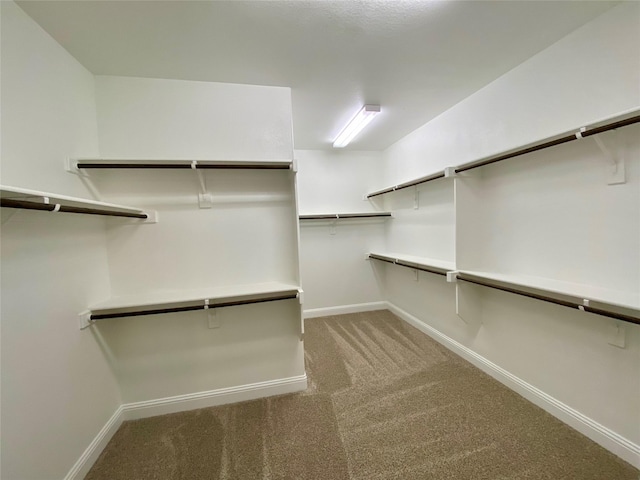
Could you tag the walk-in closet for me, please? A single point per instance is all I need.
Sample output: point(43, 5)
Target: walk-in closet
point(320, 240)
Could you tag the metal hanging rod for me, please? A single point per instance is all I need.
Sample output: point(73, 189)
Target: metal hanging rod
point(50, 207)
point(564, 303)
point(551, 143)
point(156, 311)
point(413, 266)
point(337, 216)
point(186, 164)
point(411, 183)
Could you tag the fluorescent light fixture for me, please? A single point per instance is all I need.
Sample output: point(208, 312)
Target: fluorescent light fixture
point(355, 126)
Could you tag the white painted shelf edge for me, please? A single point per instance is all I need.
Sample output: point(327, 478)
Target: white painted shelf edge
point(164, 299)
point(444, 265)
point(25, 194)
point(579, 290)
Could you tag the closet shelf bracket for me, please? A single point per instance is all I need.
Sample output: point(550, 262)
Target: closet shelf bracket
point(612, 152)
point(84, 319)
point(618, 334)
point(334, 223)
point(213, 320)
point(450, 172)
point(71, 166)
point(614, 157)
point(205, 199)
point(203, 184)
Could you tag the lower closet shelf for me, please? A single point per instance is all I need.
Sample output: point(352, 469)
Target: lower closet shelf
point(615, 298)
point(615, 304)
point(189, 300)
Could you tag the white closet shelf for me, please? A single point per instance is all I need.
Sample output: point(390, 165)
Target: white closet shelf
point(430, 265)
point(16, 197)
point(605, 296)
point(216, 297)
point(620, 120)
point(122, 163)
point(339, 216)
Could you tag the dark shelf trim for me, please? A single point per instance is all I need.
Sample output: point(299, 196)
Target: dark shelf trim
point(340, 216)
point(186, 165)
point(545, 298)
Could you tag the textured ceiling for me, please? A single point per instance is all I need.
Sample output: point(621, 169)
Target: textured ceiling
point(414, 58)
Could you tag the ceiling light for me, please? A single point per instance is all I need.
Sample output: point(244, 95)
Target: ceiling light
point(361, 120)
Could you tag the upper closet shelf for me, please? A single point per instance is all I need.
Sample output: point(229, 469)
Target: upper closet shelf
point(594, 128)
point(440, 267)
point(182, 301)
point(104, 163)
point(338, 216)
point(15, 197)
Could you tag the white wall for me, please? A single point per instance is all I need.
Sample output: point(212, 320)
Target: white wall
point(150, 118)
point(424, 220)
point(249, 235)
point(590, 74)
point(549, 214)
point(58, 391)
point(334, 272)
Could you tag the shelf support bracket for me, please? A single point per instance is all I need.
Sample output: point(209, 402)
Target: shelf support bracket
point(416, 198)
point(617, 329)
point(613, 155)
point(467, 301)
point(84, 319)
point(332, 227)
point(71, 166)
point(213, 321)
point(205, 199)
point(618, 334)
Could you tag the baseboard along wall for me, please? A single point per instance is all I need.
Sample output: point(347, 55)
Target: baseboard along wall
point(615, 443)
point(180, 403)
point(344, 309)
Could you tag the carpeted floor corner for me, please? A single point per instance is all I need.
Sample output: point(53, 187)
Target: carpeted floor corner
point(384, 402)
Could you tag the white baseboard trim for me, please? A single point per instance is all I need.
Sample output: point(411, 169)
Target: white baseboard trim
point(212, 398)
point(615, 443)
point(180, 403)
point(93, 451)
point(343, 309)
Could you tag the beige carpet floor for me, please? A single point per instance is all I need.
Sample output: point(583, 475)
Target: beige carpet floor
point(384, 402)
